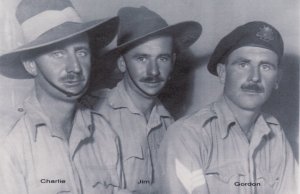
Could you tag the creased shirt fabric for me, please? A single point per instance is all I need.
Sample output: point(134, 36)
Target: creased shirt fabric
point(34, 151)
point(139, 139)
point(208, 152)
point(8, 120)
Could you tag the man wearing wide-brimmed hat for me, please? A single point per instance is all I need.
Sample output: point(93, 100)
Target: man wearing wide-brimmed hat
point(231, 146)
point(146, 51)
point(58, 146)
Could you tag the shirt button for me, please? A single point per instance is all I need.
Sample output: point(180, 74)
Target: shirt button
point(20, 109)
point(90, 127)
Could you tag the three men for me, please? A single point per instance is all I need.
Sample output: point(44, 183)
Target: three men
point(58, 146)
point(231, 146)
point(146, 48)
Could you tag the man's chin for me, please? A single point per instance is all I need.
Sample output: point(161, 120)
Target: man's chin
point(151, 93)
point(251, 106)
point(74, 94)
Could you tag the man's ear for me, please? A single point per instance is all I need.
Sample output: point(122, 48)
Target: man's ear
point(121, 64)
point(279, 76)
point(174, 58)
point(30, 66)
point(221, 70)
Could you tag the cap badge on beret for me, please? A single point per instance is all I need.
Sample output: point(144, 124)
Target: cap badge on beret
point(265, 33)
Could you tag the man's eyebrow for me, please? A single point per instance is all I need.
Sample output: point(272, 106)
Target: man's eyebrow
point(268, 62)
point(241, 59)
point(140, 54)
point(166, 54)
point(82, 48)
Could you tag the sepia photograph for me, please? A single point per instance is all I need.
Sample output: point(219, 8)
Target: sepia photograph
point(149, 96)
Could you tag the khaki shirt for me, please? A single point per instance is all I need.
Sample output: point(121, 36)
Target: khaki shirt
point(139, 139)
point(34, 153)
point(209, 153)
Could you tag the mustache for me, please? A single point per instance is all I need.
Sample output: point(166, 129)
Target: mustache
point(253, 87)
point(72, 77)
point(151, 79)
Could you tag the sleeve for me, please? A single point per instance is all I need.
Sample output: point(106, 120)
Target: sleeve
point(288, 171)
point(11, 177)
point(184, 154)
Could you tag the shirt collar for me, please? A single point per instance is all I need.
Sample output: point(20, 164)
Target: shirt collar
point(226, 119)
point(119, 98)
point(35, 114)
point(82, 119)
point(225, 116)
point(270, 119)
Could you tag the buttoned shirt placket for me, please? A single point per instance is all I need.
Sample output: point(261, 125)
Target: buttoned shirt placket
point(153, 122)
point(70, 147)
point(251, 147)
point(80, 133)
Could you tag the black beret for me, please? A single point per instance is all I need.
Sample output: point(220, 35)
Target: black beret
point(256, 33)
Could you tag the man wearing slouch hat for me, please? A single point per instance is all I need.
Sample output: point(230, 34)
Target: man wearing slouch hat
point(146, 49)
point(58, 146)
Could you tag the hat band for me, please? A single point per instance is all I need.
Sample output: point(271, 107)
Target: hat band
point(42, 22)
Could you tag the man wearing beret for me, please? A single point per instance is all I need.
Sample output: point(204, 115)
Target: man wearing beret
point(146, 47)
point(231, 146)
point(58, 146)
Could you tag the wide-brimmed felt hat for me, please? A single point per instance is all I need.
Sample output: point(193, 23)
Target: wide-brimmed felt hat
point(46, 22)
point(255, 33)
point(139, 24)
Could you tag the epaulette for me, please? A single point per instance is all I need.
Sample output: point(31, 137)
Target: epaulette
point(199, 118)
point(8, 120)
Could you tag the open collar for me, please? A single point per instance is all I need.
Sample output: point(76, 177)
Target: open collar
point(82, 126)
point(226, 119)
point(225, 116)
point(119, 98)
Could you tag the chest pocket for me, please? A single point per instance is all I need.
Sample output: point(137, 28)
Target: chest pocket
point(133, 152)
point(101, 181)
point(226, 172)
point(269, 179)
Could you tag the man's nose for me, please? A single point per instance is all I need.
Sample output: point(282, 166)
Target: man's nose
point(153, 68)
point(73, 63)
point(255, 74)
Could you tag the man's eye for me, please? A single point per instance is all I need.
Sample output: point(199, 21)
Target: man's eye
point(265, 67)
point(164, 59)
point(82, 53)
point(57, 54)
point(243, 65)
point(141, 59)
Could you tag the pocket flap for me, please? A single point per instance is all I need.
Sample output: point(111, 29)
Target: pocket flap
point(226, 171)
point(106, 177)
point(133, 152)
point(268, 177)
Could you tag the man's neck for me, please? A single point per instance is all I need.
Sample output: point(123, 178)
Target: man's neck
point(61, 113)
point(143, 103)
point(245, 118)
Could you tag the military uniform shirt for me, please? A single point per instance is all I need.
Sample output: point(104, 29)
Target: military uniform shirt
point(139, 140)
point(209, 153)
point(35, 152)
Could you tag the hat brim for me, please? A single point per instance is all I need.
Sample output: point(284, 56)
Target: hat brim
point(104, 29)
point(184, 34)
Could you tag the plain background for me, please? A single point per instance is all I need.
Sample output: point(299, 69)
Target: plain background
point(192, 87)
